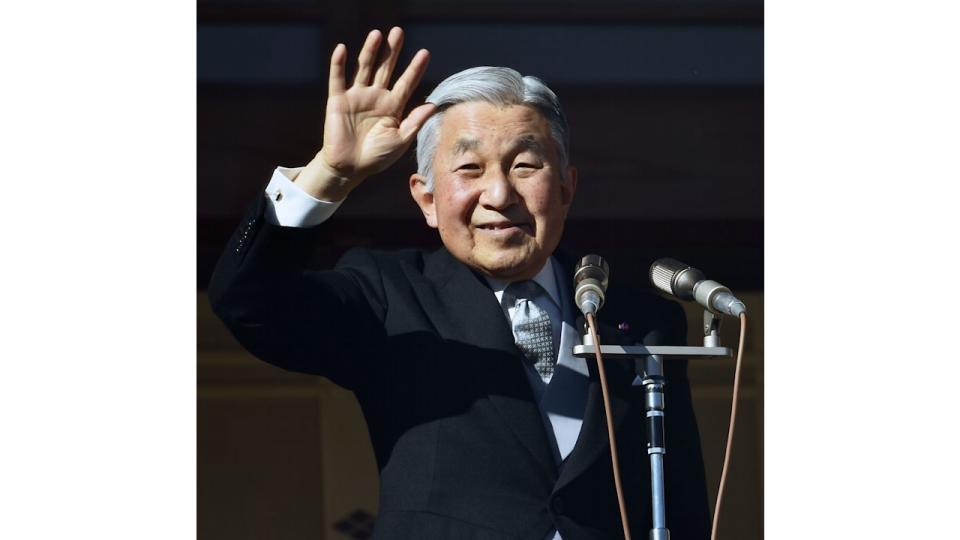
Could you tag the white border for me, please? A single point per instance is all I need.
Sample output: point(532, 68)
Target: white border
point(861, 254)
point(97, 388)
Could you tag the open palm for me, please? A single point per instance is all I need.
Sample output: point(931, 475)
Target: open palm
point(364, 131)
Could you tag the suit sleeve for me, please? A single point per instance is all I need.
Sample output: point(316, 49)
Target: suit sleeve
point(326, 322)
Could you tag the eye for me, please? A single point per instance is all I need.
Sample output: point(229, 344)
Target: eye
point(525, 168)
point(468, 167)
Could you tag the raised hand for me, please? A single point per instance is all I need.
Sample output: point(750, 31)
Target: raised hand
point(364, 132)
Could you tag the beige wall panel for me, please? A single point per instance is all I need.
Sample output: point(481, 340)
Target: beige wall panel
point(258, 468)
point(711, 383)
point(350, 477)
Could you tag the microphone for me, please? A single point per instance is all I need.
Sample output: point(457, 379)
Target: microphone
point(688, 283)
point(590, 283)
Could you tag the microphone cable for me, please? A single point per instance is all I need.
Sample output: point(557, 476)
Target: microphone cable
point(615, 460)
point(733, 416)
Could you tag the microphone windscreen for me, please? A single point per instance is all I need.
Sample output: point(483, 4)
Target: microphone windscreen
point(662, 272)
point(674, 277)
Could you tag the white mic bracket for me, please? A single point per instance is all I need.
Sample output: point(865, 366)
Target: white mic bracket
point(621, 352)
point(711, 329)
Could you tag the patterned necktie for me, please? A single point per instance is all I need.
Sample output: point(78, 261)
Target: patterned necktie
point(531, 325)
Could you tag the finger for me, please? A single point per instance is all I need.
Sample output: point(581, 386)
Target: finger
point(390, 55)
point(411, 77)
point(415, 120)
point(367, 55)
point(338, 65)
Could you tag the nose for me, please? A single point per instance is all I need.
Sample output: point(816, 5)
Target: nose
point(498, 191)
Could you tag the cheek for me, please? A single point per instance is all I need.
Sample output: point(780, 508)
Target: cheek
point(455, 209)
point(549, 213)
point(543, 202)
point(459, 204)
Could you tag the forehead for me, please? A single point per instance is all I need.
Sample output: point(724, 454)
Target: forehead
point(479, 125)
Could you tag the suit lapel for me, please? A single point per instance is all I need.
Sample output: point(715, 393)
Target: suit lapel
point(464, 309)
point(469, 313)
point(594, 440)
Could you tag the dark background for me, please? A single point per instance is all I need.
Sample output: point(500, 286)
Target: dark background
point(665, 104)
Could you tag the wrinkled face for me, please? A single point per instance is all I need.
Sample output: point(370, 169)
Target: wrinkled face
point(500, 197)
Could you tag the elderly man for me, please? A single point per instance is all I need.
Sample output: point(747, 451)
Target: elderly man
point(484, 424)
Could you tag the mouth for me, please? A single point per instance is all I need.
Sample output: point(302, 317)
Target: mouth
point(504, 227)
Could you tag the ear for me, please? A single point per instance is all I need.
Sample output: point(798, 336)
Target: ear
point(569, 186)
point(423, 198)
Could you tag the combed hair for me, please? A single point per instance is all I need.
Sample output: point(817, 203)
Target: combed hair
point(500, 86)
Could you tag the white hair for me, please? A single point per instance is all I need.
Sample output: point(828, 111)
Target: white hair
point(500, 86)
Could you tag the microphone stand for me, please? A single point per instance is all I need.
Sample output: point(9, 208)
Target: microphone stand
point(653, 385)
point(654, 402)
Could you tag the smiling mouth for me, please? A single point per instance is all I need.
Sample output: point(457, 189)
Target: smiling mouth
point(502, 226)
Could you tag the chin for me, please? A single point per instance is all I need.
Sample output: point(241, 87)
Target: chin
point(513, 266)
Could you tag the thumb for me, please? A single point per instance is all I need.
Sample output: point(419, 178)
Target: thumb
point(415, 120)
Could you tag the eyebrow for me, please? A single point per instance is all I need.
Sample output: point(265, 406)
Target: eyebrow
point(529, 142)
point(464, 145)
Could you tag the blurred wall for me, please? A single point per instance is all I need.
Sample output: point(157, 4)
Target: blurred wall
point(665, 103)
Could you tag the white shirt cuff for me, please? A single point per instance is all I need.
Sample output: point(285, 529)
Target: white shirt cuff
point(290, 206)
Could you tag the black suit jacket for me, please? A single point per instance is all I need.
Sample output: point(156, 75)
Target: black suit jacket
point(459, 440)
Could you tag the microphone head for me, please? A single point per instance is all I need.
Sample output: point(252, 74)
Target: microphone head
point(674, 277)
point(592, 267)
point(590, 281)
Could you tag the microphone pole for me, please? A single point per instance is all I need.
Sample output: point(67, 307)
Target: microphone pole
point(654, 403)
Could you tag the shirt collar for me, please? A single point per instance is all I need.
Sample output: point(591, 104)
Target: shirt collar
point(545, 278)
